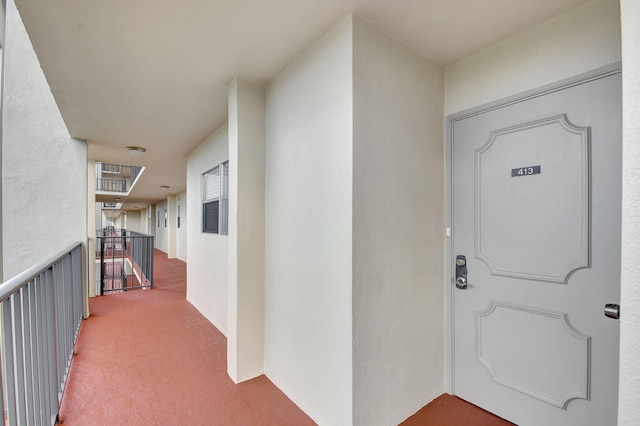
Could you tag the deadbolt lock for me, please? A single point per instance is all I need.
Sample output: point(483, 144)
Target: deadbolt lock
point(461, 272)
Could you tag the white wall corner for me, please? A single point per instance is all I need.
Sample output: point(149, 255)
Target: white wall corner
point(308, 246)
point(207, 253)
point(398, 238)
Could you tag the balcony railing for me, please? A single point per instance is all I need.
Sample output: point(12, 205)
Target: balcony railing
point(111, 185)
point(126, 260)
point(41, 313)
point(115, 178)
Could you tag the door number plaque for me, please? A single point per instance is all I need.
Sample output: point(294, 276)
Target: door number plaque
point(526, 171)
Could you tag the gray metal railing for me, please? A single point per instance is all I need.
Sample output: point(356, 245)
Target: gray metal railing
point(135, 171)
point(41, 312)
point(111, 185)
point(126, 260)
point(115, 177)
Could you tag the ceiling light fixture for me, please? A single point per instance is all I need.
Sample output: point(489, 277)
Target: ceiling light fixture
point(117, 198)
point(135, 150)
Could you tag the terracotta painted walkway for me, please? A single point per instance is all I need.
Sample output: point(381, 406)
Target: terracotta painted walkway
point(148, 357)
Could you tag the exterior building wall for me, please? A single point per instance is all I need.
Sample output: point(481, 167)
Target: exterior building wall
point(181, 231)
point(309, 169)
point(161, 225)
point(245, 344)
point(398, 230)
point(578, 41)
point(171, 228)
point(134, 221)
point(207, 253)
point(44, 201)
point(629, 395)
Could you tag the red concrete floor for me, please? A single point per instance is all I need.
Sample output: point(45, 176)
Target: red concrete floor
point(147, 357)
point(447, 410)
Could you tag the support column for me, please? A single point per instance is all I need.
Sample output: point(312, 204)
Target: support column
point(172, 227)
point(245, 300)
point(91, 233)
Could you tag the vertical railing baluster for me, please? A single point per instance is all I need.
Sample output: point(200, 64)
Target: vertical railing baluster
point(9, 359)
point(40, 374)
point(50, 331)
point(18, 348)
point(3, 391)
point(35, 350)
point(26, 351)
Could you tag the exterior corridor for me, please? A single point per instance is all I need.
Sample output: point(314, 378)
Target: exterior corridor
point(150, 358)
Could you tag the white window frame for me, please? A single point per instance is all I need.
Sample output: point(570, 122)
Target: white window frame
point(219, 194)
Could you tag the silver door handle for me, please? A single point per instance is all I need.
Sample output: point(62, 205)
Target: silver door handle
point(612, 310)
point(461, 283)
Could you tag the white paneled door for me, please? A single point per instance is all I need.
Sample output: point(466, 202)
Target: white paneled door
point(536, 204)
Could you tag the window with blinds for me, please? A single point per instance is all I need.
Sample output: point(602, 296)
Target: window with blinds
point(215, 200)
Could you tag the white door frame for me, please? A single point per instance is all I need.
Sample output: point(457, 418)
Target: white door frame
point(449, 256)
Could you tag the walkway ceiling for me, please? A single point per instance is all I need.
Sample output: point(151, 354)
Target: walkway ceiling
point(154, 73)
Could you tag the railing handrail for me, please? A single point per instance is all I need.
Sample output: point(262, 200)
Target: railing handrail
point(15, 283)
point(119, 231)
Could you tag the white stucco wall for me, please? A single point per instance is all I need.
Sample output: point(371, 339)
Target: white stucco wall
point(181, 233)
point(172, 243)
point(398, 230)
point(151, 215)
point(578, 41)
point(207, 253)
point(162, 231)
point(134, 221)
point(629, 395)
point(44, 170)
point(92, 214)
point(245, 337)
point(308, 339)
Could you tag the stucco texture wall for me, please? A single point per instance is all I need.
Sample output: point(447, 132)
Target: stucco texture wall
point(44, 169)
point(162, 231)
point(181, 232)
point(398, 230)
point(207, 253)
point(578, 41)
point(629, 396)
point(308, 229)
point(245, 337)
point(134, 221)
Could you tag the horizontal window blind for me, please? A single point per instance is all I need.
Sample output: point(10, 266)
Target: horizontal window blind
point(211, 185)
